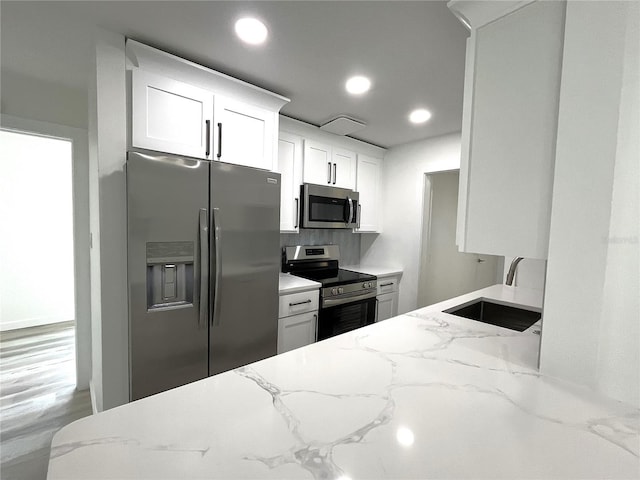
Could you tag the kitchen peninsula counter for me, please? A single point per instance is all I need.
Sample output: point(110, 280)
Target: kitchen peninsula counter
point(421, 395)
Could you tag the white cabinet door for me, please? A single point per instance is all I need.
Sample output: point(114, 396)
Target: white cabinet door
point(318, 166)
point(290, 168)
point(368, 179)
point(244, 134)
point(509, 132)
point(387, 306)
point(296, 331)
point(170, 116)
point(344, 168)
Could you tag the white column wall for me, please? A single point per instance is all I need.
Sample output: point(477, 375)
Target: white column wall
point(579, 321)
point(107, 142)
point(618, 368)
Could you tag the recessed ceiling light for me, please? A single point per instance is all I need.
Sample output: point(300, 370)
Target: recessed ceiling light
point(251, 30)
point(358, 85)
point(419, 116)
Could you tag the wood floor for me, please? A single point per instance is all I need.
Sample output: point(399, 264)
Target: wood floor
point(37, 396)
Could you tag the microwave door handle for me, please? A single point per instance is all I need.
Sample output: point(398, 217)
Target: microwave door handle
point(350, 217)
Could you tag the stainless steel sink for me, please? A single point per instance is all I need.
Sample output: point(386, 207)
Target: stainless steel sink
point(505, 316)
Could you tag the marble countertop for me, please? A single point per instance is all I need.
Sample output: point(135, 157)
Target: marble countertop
point(377, 270)
point(421, 395)
point(291, 284)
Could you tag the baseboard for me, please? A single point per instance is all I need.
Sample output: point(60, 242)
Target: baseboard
point(30, 322)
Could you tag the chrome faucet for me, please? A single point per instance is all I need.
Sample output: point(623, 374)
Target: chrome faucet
point(512, 270)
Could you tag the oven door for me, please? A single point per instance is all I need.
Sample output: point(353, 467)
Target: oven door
point(346, 317)
point(328, 207)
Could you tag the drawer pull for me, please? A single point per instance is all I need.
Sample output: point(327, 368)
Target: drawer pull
point(386, 284)
point(299, 303)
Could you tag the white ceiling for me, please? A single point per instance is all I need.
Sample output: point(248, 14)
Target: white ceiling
point(412, 51)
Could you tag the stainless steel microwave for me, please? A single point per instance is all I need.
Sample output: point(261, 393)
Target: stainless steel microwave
point(328, 207)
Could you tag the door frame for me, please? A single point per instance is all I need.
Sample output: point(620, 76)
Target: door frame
point(426, 225)
point(81, 233)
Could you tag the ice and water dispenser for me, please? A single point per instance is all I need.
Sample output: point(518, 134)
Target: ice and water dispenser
point(169, 275)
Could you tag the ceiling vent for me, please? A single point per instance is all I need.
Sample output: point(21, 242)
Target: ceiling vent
point(343, 125)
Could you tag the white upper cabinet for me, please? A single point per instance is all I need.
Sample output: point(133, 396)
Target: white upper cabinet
point(290, 168)
point(325, 164)
point(170, 116)
point(183, 108)
point(244, 134)
point(317, 163)
point(510, 110)
point(368, 185)
point(344, 168)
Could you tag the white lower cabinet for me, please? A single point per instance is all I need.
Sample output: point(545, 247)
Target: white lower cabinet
point(387, 298)
point(387, 306)
point(298, 320)
point(297, 331)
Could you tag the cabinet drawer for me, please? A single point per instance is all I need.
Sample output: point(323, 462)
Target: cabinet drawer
point(300, 302)
point(387, 285)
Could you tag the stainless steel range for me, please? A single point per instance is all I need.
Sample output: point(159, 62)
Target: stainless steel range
point(347, 298)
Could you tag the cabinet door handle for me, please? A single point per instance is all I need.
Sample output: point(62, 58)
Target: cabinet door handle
point(377, 302)
point(299, 303)
point(386, 284)
point(297, 213)
point(219, 140)
point(329, 173)
point(315, 316)
point(335, 173)
point(208, 137)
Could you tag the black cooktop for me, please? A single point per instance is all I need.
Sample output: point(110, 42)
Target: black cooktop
point(331, 278)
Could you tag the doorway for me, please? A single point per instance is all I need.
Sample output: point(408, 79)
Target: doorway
point(444, 271)
point(36, 245)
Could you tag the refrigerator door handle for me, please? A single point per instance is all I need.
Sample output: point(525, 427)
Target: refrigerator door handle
point(215, 317)
point(204, 267)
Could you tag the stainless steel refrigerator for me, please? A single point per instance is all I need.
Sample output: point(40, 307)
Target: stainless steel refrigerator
point(203, 265)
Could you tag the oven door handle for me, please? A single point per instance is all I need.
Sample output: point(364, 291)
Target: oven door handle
point(348, 298)
point(377, 302)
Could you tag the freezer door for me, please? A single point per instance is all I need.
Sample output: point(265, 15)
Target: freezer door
point(167, 207)
point(245, 265)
